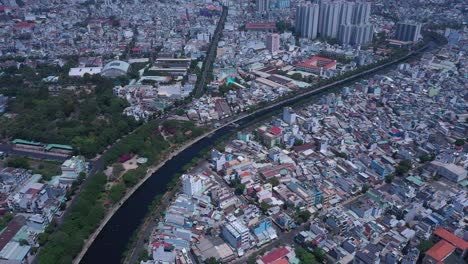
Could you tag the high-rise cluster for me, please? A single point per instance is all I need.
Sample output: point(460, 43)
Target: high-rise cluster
point(408, 31)
point(346, 21)
point(262, 5)
point(266, 5)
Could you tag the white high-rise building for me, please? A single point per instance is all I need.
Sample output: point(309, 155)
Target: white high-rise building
point(329, 19)
point(289, 116)
point(262, 5)
point(191, 184)
point(362, 12)
point(363, 34)
point(408, 31)
point(307, 20)
point(273, 42)
point(356, 34)
point(346, 13)
point(346, 32)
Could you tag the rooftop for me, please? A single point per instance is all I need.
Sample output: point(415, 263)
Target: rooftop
point(451, 238)
point(440, 250)
point(317, 62)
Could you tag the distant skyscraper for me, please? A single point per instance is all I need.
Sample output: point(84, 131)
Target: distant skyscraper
point(356, 34)
point(273, 42)
point(362, 34)
point(362, 12)
point(329, 19)
point(283, 3)
point(347, 12)
point(262, 5)
point(307, 20)
point(408, 31)
point(346, 32)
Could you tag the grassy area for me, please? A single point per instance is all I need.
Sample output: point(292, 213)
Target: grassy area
point(47, 169)
point(89, 118)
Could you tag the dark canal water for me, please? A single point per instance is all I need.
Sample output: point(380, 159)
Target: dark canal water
point(112, 241)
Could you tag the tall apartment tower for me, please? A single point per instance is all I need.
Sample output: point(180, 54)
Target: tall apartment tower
point(356, 34)
point(363, 34)
point(346, 32)
point(408, 31)
point(307, 20)
point(273, 42)
point(347, 13)
point(362, 12)
point(262, 5)
point(329, 19)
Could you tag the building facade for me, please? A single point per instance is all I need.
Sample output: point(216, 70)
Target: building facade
point(273, 42)
point(307, 20)
point(408, 31)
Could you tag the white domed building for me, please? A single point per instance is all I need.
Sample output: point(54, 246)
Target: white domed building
point(115, 69)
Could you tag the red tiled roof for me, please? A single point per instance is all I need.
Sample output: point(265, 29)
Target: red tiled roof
point(312, 63)
point(158, 244)
point(275, 130)
point(275, 255)
point(440, 250)
point(10, 231)
point(244, 174)
point(32, 191)
point(281, 261)
point(451, 238)
point(260, 25)
point(24, 24)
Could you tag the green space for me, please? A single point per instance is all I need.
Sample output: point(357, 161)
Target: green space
point(47, 169)
point(5, 220)
point(83, 113)
point(65, 243)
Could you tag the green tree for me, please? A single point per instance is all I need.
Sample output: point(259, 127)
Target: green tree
point(131, 178)
point(319, 255)
point(425, 245)
point(389, 179)
point(304, 256)
point(240, 188)
point(143, 255)
point(342, 155)
point(18, 162)
point(23, 242)
point(180, 112)
point(303, 216)
point(297, 76)
point(403, 167)
point(252, 259)
point(5, 220)
point(364, 188)
point(264, 206)
point(459, 142)
point(42, 238)
point(213, 260)
point(425, 158)
point(117, 192)
point(274, 181)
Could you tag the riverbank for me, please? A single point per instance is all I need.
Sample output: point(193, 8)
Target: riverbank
point(170, 167)
point(151, 170)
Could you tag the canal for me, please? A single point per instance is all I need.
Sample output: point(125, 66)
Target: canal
point(112, 240)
